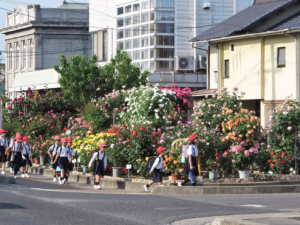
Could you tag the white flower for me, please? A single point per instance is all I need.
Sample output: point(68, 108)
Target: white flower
point(112, 146)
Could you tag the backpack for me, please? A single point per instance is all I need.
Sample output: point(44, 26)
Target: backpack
point(151, 162)
point(93, 152)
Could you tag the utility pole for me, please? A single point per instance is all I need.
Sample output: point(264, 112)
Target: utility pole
point(84, 43)
point(1, 74)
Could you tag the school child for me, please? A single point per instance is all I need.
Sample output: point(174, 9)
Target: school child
point(157, 168)
point(26, 154)
point(3, 149)
point(100, 165)
point(191, 166)
point(11, 164)
point(61, 157)
point(17, 149)
point(70, 167)
point(51, 151)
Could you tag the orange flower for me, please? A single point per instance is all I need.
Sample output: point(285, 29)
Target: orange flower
point(247, 140)
point(166, 156)
point(237, 115)
point(180, 170)
point(244, 120)
point(251, 131)
point(175, 162)
point(223, 139)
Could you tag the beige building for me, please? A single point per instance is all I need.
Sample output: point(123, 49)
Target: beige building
point(35, 38)
point(257, 50)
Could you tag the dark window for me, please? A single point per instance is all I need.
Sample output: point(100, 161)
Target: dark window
point(120, 22)
point(105, 45)
point(120, 34)
point(232, 47)
point(281, 57)
point(136, 7)
point(120, 11)
point(226, 68)
point(128, 9)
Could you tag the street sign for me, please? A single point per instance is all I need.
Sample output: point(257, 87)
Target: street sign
point(74, 161)
point(68, 132)
point(129, 167)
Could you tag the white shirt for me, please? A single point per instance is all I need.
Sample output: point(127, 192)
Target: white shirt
point(100, 155)
point(17, 147)
point(3, 140)
point(26, 150)
point(63, 151)
point(193, 150)
point(54, 148)
point(12, 140)
point(158, 164)
point(72, 153)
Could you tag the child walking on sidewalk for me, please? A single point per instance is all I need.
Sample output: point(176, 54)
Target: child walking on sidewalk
point(101, 164)
point(26, 154)
point(191, 165)
point(157, 168)
point(3, 149)
point(51, 151)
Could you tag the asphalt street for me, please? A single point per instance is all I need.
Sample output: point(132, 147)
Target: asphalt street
point(38, 200)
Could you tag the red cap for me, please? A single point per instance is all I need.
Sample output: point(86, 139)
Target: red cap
point(57, 137)
point(161, 149)
point(102, 145)
point(18, 135)
point(64, 139)
point(25, 138)
point(192, 137)
point(70, 140)
point(3, 131)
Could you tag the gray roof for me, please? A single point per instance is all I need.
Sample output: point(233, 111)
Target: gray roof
point(242, 20)
point(67, 5)
point(291, 22)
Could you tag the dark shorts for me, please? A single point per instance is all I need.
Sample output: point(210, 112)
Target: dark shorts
point(63, 163)
point(17, 161)
point(3, 156)
point(157, 175)
point(27, 161)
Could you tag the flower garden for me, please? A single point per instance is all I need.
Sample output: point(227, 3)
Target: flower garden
point(134, 122)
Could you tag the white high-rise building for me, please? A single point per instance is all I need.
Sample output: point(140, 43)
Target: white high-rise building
point(155, 33)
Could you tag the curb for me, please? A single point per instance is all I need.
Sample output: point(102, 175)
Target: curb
point(4, 179)
point(202, 190)
point(222, 221)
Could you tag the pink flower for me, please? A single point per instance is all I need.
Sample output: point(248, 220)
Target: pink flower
point(10, 106)
point(97, 104)
point(106, 103)
point(63, 114)
point(257, 145)
point(35, 98)
point(21, 113)
point(26, 105)
point(29, 89)
point(114, 96)
point(289, 128)
point(247, 153)
point(29, 95)
point(233, 161)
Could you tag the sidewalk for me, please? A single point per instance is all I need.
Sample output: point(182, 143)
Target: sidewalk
point(248, 219)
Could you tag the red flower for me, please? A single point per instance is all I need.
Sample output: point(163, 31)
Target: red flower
point(272, 165)
point(154, 133)
point(128, 146)
point(226, 151)
point(149, 124)
point(269, 160)
point(131, 131)
point(290, 156)
point(26, 105)
point(134, 127)
point(276, 160)
point(11, 115)
point(29, 89)
point(142, 128)
point(134, 133)
point(217, 154)
point(160, 131)
point(64, 130)
point(29, 94)
point(283, 154)
point(272, 153)
point(62, 93)
point(35, 98)
point(279, 155)
point(282, 161)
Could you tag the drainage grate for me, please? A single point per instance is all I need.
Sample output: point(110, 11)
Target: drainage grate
point(172, 208)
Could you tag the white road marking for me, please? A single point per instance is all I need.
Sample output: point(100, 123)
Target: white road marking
point(255, 206)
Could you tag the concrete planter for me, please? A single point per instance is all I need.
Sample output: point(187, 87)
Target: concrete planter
point(117, 171)
point(42, 160)
point(85, 169)
point(244, 174)
point(213, 175)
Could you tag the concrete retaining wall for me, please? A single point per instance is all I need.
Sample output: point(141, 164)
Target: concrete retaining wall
point(7, 180)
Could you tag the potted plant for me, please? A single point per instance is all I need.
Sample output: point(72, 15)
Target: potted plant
point(118, 159)
point(84, 160)
point(213, 169)
point(173, 163)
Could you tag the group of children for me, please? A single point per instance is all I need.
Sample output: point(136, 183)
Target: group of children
point(19, 153)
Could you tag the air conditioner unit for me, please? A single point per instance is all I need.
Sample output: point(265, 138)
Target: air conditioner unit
point(206, 5)
point(202, 62)
point(184, 63)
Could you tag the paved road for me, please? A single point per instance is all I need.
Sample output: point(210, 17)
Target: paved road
point(38, 200)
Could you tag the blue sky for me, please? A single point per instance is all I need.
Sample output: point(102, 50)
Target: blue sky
point(11, 4)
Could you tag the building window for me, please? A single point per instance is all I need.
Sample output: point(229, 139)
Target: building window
point(31, 54)
point(136, 31)
point(120, 34)
point(136, 7)
point(164, 53)
point(24, 55)
point(145, 17)
point(164, 15)
point(128, 44)
point(145, 5)
point(281, 57)
point(164, 3)
point(128, 21)
point(128, 9)
point(151, 40)
point(164, 65)
point(120, 45)
point(128, 32)
point(151, 53)
point(100, 45)
point(164, 28)
point(164, 40)
point(17, 56)
point(145, 54)
point(136, 55)
point(10, 57)
point(145, 66)
point(152, 28)
point(136, 19)
point(145, 42)
point(145, 29)
point(226, 68)
point(136, 43)
point(120, 11)
point(232, 47)
point(120, 22)
point(105, 45)
point(152, 66)
point(129, 54)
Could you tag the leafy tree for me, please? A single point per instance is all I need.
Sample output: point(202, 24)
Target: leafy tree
point(83, 80)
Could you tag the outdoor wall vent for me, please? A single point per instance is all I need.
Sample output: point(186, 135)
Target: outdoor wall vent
point(206, 5)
